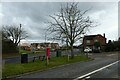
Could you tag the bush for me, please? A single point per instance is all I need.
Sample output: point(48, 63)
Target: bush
point(9, 47)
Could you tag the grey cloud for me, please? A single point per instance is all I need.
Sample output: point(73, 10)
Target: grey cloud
point(36, 10)
point(33, 10)
point(35, 14)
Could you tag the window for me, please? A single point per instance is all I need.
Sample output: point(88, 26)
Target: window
point(95, 40)
point(87, 41)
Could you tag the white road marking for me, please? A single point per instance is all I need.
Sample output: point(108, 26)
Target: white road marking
point(87, 77)
point(110, 54)
point(88, 74)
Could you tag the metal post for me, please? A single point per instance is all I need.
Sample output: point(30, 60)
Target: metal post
point(47, 60)
point(87, 54)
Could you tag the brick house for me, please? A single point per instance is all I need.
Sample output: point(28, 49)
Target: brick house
point(90, 40)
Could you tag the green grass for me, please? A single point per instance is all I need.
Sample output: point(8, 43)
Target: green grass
point(7, 55)
point(39, 52)
point(35, 52)
point(15, 69)
point(24, 51)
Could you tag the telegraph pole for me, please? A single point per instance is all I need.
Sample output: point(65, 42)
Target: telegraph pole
point(19, 38)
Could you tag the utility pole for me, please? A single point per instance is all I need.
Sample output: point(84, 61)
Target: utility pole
point(45, 36)
point(67, 49)
point(19, 42)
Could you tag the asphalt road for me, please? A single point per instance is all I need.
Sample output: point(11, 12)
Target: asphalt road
point(78, 69)
point(110, 72)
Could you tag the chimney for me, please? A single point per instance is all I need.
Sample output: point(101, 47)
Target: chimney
point(104, 34)
point(20, 25)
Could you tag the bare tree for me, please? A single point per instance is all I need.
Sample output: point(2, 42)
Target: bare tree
point(14, 33)
point(69, 24)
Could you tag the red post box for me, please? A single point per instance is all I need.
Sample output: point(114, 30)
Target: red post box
point(47, 55)
point(48, 52)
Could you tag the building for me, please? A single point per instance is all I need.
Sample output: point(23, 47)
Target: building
point(37, 46)
point(91, 40)
point(25, 46)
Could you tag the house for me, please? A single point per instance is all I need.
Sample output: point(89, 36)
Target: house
point(25, 46)
point(37, 46)
point(92, 41)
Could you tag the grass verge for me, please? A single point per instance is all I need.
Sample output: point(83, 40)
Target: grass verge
point(16, 69)
point(8, 55)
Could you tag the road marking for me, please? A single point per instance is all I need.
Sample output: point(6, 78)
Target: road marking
point(110, 54)
point(88, 74)
point(87, 77)
point(90, 54)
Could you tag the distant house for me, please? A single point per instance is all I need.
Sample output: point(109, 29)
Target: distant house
point(44, 45)
point(25, 46)
point(90, 40)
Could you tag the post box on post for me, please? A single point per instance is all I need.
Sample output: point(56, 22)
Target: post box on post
point(47, 55)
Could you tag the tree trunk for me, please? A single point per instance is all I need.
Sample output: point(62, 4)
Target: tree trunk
point(72, 54)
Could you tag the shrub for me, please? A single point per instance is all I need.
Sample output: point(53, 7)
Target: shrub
point(9, 47)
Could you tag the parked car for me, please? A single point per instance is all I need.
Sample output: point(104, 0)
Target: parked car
point(96, 50)
point(87, 49)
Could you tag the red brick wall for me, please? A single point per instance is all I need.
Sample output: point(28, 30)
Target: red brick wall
point(100, 38)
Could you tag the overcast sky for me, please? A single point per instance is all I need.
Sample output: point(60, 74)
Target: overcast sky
point(34, 15)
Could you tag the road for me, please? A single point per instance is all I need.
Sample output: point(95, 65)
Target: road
point(110, 72)
point(79, 69)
